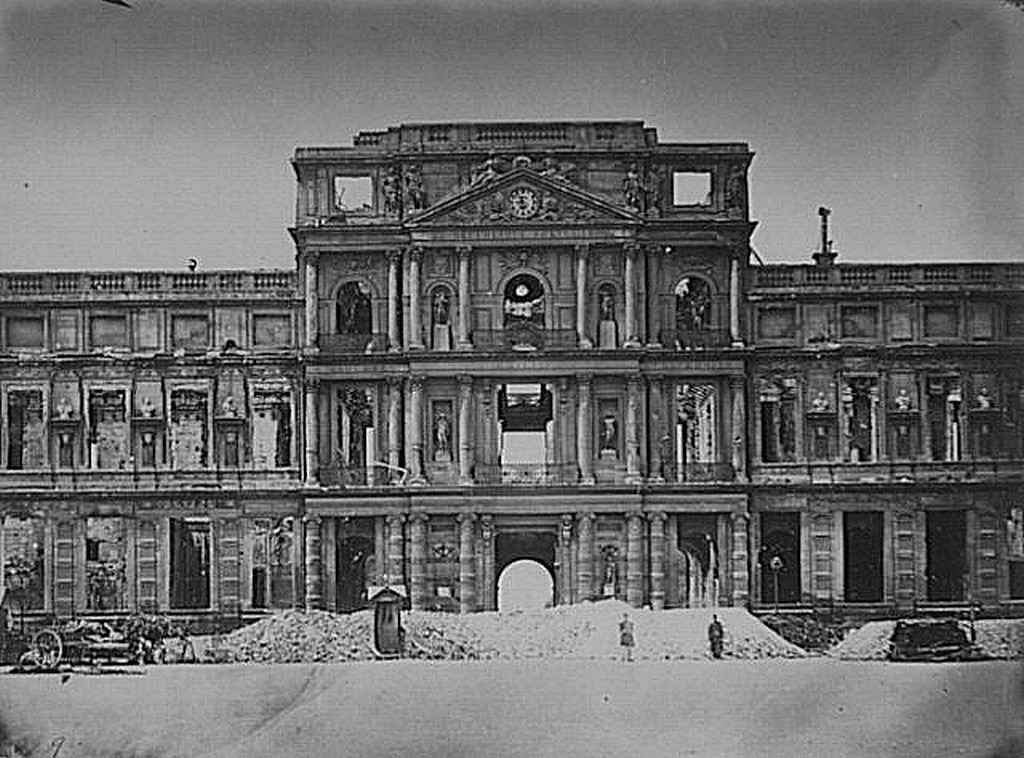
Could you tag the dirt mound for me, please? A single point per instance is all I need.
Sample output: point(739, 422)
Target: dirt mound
point(994, 638)
point(587, 630)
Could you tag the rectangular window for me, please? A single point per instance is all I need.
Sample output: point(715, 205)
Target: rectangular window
point(272, 574)
point(25, 331)
point(272, 429)
point(691, 188)
point(944, 418)
point(862, 553)
point(105, 563)
point(65, 330)
point(940, 321)
point(190, 332)
point(860, 322)
point(108, 429)
point(860, 395)
point(26, 443)
point(983, 321)
point(108, 331)
point(189, 412)
point(780, 558)
point(190, 563)
point(23, 552)
point(776, 323)
point(899, 322)
point(147, 330)
point(272, 330)
point(353, 194)
point(778, 427)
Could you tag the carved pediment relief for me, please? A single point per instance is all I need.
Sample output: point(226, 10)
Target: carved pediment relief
point(523, 196)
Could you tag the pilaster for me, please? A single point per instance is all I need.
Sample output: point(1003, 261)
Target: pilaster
point(467, 563)
point(314, 564)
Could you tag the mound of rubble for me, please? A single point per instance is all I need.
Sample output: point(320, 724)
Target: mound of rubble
point(587, 630)
point(994, 638)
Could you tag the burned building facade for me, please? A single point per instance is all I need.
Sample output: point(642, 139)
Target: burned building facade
point(507, 342)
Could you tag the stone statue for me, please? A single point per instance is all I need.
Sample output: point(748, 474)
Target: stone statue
point(147, 408)
point(442, 434)
point(653, 192)
point(392, 193)
point(607, 306)
point(487, 170)
point(632, 189)
point(983, 401)
point(229, 407)
point(64, 409)
point(442, 307)
point(415, 198)
point(609, 433)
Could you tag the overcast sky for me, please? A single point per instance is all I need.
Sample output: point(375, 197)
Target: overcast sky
point(139, 138)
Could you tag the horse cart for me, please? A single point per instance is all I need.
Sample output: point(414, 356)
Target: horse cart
point(84, 643)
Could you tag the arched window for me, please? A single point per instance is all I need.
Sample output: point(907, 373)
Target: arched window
point(352, 315)
point(693, 305)
point(524, 302)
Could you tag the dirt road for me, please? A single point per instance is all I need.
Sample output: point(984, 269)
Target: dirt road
point(531, 708)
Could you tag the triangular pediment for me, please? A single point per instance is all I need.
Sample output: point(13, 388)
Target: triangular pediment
point(523, 196)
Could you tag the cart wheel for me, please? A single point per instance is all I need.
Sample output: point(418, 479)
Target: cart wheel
point(48, 648)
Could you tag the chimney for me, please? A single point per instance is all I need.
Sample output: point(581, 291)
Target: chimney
point(825, 256)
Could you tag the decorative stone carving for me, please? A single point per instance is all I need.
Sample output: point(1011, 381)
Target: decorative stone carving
point(415, 197)
point(652, 191)
point(736, 190)
point(632, 189)
point(391, 189)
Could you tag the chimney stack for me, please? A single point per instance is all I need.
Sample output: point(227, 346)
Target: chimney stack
point(825, 256)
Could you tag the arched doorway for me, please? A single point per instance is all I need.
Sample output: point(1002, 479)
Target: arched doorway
point(525, 585)
point(536, 549)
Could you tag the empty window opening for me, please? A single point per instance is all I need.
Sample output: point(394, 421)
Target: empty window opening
point(946, 555)
point(189, 434)
point(778, 423)
point(272, 429)
point(106, 554)
point(698, 579)
point(860, 401)
point(696, 430)
point(272, 550)
point(26, 447)
point(24, 559)
point(356, 447)
point(355, 566)
point(862, 556)
point(108, 429)
point(944, 406)
point(190, 563)
point(693, 306)
point(691, 188)
point(780, 558)
point(525, 585)
point(353, 194)
point(353, 309)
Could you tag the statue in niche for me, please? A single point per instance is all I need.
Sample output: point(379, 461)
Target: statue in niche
point(414, 196)
point(693, 303)
point(392, 193)
point(442, 306)
point(902, 401)
point(819, 403)
point(607, 306)
point(607, 329)
point(983, 402)
point(609, 434)
point(632, 189)
point(610, 578)
point(147, 408)
point(230, 407)
point(442, 436)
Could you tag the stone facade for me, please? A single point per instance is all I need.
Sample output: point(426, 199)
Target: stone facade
point(515, 341)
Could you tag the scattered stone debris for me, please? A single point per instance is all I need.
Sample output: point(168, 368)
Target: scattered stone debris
point(994, 638)
point(586, 630)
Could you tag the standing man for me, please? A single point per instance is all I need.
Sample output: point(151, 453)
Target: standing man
point(626, 638)
point(715, 635)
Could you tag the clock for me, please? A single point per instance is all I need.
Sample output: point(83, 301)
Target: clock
point(523, 202)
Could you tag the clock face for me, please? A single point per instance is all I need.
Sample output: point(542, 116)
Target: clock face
point(522, 202)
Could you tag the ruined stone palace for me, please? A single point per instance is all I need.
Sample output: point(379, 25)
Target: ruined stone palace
point(505, 342)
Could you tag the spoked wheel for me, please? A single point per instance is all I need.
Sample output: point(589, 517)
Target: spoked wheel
point(48, 648)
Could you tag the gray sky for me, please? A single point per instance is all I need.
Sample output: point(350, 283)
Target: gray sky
point(139, 138)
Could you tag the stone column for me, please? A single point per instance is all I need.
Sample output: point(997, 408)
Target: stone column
point(581, 296)
point(739, 560)
point(467, 564)
point(394, 302)
point(415, 341)
point(737, 390)
point(314, 565)
point(565, 560)
point(394, 425)
point(465, 426)
point(396, 550)
point(634, 561)
point(418, 561)
point(657, 428)
point(584, 429)
point(632, 340)
point(415, 465)
point(734, 299)
point(632, 430)
point(657, 520)
point(489, 602)
point(462, 338)
point(312, 299)
point(585, 559)
point(312, 434)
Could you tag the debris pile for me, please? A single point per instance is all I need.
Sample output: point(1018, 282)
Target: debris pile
point(994, 638)
point(587, 630)
point(871, 642)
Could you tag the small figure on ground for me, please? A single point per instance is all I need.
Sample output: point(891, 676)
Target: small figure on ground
point(626, 638)
point(715, 635)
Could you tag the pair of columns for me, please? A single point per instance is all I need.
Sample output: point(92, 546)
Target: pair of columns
point(415, 341)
